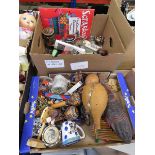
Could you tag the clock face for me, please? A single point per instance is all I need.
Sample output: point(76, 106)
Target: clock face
point(51, 135)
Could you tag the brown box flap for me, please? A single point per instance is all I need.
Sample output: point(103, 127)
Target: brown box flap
point(103, 25)
point(121, 24)
point(112, 42)
point(98, 24)
point(125, 32)
point(37, 43)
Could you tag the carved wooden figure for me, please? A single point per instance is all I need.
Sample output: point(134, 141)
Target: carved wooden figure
point(95, 98)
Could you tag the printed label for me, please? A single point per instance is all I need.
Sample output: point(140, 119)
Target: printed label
point(79, 65)
point(55, 63)
point(74, 25)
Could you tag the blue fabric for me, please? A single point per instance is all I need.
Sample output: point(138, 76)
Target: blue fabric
point(126, 95)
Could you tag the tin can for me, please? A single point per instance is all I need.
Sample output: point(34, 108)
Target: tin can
point(48, 36)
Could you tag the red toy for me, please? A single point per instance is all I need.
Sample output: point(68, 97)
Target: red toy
point(45, 83)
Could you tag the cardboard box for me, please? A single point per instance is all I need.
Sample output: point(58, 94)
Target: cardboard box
point(88, 142)
point(31, 72)
point(119, 40)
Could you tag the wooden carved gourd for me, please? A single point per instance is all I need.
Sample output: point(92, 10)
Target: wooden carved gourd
point(94, 98)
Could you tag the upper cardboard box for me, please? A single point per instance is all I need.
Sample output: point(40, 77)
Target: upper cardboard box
point(103, 24)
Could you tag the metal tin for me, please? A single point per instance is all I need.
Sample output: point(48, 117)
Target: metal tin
point(70, 39)
point(48, 36)
point(51, 136)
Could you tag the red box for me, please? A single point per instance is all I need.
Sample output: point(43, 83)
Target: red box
point(68, 21)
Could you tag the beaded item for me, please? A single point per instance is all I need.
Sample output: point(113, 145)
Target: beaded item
point(36, 127)
point(71, 113)
point(59, 85)
point(74, 100)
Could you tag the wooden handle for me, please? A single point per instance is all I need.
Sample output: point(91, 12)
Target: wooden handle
point(41, 130)
point(32, 142)
point(59, 104)
point(97, 123)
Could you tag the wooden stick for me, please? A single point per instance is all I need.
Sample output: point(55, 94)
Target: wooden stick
point(110, 139)
point(32, 142)
point(105, 129)
point(105, 134)
point(59, 104)
point(41, 130)
point(111, 136)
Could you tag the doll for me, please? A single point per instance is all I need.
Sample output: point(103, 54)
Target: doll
point(27, 20)
point(27, 24)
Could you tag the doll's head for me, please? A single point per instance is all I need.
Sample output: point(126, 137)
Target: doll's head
point(27, 20)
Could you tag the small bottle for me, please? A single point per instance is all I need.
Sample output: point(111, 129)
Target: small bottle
point(54, 52)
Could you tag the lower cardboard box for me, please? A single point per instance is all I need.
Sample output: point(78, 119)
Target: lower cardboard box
point(91, 128)
point(31, 72)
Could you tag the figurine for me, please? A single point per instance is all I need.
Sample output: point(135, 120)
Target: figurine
point(95, 98)
point(27, 24)
point(27, 20)
point(113, 85)
point(78, 76)
point(99, 40)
